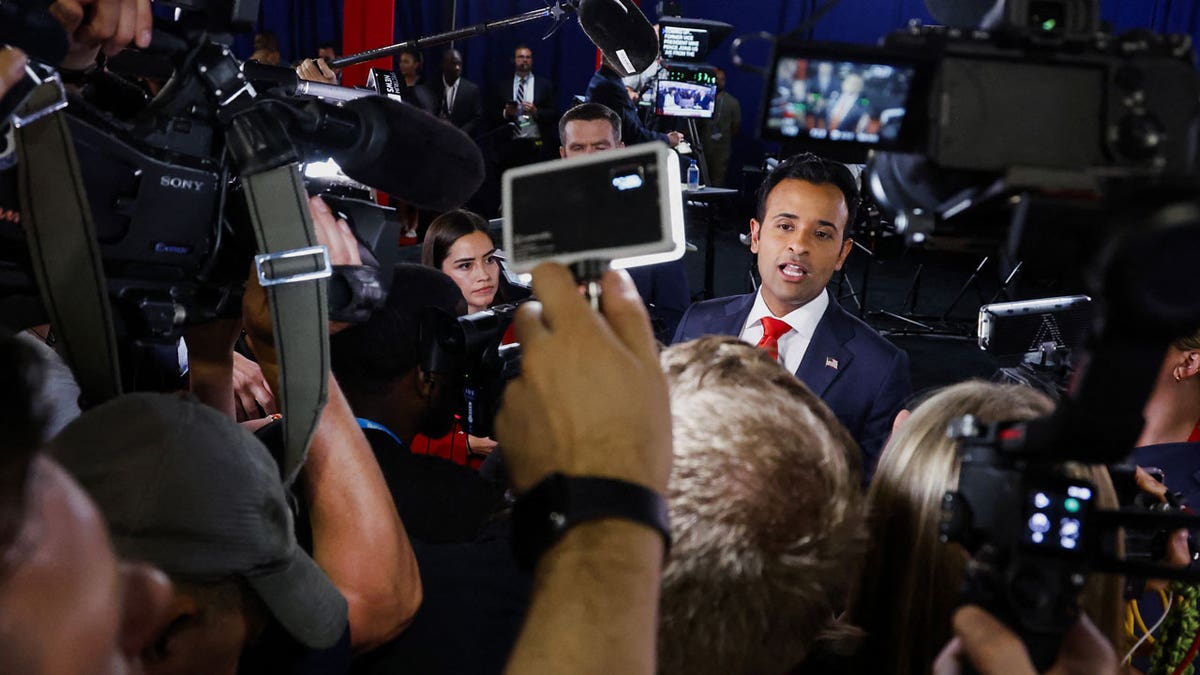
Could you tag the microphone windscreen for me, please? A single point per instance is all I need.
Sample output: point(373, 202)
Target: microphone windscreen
point(620, 30)
point(411, 154)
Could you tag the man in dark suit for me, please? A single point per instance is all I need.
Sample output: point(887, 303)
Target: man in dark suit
point(607, 89)
point(458, 98)
point(799, 235)
point(525, 103)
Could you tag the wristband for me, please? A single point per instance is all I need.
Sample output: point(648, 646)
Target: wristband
point(544, 513)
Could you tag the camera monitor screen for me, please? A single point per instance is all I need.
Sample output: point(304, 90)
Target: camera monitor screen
point(840, 98)
point(686, 94)
point(681, 43)
point(625, 206)
point(1056, 517)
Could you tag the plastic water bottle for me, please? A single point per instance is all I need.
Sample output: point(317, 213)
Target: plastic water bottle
point(694, 176)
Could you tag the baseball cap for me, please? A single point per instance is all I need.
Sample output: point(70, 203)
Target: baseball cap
point(188, 490)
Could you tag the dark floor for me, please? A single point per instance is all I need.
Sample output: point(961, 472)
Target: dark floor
point(919, 314)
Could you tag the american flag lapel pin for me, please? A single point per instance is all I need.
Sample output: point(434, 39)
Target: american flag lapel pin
point(831, 362)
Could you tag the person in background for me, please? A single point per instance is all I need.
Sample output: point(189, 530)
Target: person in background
point(608, 89)
point(266, 49)
point(589, 128)
point(525, 103)
point(412, 85)
point(1170, 439)
point(458, 99)
point(460, 244)
point(719, 132)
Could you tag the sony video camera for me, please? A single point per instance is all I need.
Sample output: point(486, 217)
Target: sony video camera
point(162, 183)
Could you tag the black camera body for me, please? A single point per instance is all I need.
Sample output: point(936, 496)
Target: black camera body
point(952, 115)
point(1119, 108)
point(170, 218)
point(1029, 570)
point(469, 352)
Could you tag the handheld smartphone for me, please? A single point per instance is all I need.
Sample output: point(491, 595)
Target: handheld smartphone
point(622, 206)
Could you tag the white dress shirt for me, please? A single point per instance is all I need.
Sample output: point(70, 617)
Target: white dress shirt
point(803, 321)
point(451, 93)
point(528, 87)
point(526, 126)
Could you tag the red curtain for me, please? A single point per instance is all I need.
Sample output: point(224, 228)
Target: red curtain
point(367, 24)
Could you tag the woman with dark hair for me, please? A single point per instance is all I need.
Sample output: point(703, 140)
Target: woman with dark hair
point(459, 244)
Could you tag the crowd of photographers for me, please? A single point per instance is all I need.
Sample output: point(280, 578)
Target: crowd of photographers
point(154, 533)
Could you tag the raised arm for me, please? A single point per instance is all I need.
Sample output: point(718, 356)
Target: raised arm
point(591, 401)
point(358, 539)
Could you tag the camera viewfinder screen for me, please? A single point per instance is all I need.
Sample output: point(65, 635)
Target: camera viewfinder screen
point(686, 94)
point(1055, 518)
point(827, 99)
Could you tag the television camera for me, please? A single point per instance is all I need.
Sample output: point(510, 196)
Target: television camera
point(1042, 104)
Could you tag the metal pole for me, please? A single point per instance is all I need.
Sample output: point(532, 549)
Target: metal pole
point(554, 11)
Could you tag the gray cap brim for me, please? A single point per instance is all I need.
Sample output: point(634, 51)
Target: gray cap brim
point(304, 601)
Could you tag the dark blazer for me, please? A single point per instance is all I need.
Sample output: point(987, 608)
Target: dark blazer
point(607, 89)
point(468, 105)
point(863, 378)
point(543, 97)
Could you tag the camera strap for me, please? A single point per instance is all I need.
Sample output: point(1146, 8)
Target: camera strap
point(61, 237)
point(293, 269)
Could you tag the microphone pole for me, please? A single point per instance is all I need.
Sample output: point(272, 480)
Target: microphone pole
point(557, 11)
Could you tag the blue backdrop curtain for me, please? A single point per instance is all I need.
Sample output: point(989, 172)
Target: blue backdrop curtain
point(568, 59)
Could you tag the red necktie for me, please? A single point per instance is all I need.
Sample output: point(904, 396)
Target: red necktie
point(773, 329)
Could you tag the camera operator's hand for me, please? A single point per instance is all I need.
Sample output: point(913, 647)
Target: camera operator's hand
point(591, 399)
point(336, 235)
point(102, 24)
point(12, 68)
point(253, 398)
point(316, 70)
point(674, 138)
point(993, 649)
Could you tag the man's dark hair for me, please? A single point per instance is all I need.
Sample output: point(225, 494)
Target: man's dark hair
point(522, 46)
point(366, 358)
point(818, 171)
point(329, 44)
point(589, 112)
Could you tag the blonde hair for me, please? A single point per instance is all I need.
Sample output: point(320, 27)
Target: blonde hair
point(766, 513)
point(911, 582)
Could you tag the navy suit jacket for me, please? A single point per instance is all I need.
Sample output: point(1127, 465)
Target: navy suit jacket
point(543, 97)
point(607, 89)
point(868, 386)
point(468, 106)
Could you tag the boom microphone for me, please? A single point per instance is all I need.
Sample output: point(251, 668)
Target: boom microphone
point(394, 147)
point(287, 79)
point(620, 30)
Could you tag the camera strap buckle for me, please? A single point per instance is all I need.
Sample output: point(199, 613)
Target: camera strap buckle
point(268, 266)
point(36, 106)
